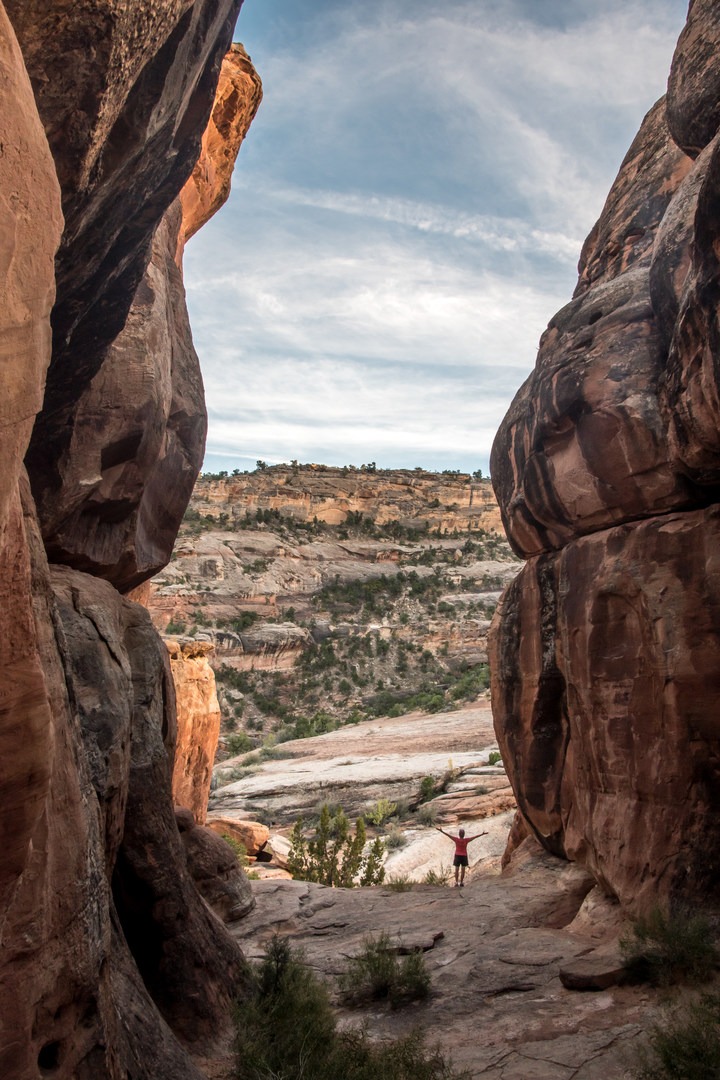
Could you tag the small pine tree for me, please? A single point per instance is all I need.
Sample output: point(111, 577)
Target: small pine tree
point(334, 855)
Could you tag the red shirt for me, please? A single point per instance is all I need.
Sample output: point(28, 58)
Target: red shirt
point(461, 845)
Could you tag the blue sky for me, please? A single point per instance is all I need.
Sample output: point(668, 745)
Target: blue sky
point(406, 216)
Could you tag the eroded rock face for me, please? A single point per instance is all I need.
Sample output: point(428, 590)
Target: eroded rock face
point(198, 724)
point(237, 99)
point(584, 445)
point(30, 228)
point(105, 937)
point(135, 435)
point(607, 469)
point(214, 867)
point(125, 130)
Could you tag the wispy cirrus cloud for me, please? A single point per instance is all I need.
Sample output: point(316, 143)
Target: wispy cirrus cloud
point(407, 216)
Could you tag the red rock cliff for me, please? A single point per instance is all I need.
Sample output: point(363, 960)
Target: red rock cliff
point(606, 652)
point(111, 964)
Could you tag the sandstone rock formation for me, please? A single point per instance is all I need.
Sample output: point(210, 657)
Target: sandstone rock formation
point(130, 442)
point(607, 467)
point(214, 867)
point(105, 939)
point(198, 725)
point(413, 497)
point(237, 99)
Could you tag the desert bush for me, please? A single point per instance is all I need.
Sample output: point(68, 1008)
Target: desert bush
point(395, 838)
point(427, 814)
point(381, 811)
point(286, 1029)
point(238, 847)
point(333, 855)
point(494, 757)
point(438, 877)
point(427, 788)
point(665, 947)
point(686, 1045)
point(379, 974)
point(400, 883)
point(239, 743)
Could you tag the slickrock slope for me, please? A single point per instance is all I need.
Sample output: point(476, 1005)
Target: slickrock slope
point(111, 963)
point(493, 950)
point(606, 651)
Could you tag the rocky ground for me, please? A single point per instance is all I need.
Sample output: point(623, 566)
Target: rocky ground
point(494, 949)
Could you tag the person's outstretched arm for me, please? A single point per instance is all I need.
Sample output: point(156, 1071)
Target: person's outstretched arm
point(476, 836)
point(438, 829)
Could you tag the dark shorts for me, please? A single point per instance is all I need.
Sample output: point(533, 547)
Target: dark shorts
point(460, 860)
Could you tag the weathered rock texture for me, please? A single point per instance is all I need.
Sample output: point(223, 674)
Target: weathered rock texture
point(198, 725)
point(114, 460)
point(214, 867)
point(238, 98)
point(111, 963)
point(607, 470)
point(125, 92)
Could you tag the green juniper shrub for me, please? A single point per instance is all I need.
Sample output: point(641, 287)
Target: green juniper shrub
point(666, 947)
point(379, 974)
point(381, 812)
point(494, 757)
point(686, 1045)
point(427, 788)
point(333, 855)
point(239, 743)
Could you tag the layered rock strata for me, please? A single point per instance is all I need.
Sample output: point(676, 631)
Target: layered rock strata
point(607, 471)
point(112, 964)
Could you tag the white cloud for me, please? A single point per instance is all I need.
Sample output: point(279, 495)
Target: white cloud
point(494, 232)
point(411, 202)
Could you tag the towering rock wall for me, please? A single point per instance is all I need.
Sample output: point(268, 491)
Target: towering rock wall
point(111, 964)
point(606, 650)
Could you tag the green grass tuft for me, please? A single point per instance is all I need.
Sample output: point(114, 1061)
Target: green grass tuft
point(379, 974)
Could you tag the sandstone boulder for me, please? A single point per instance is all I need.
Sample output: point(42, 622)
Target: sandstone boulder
point(113, 653)
point(584, 445)
point(124, 121)
point(99, 976)
point(251, 834)
point(214, 867)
